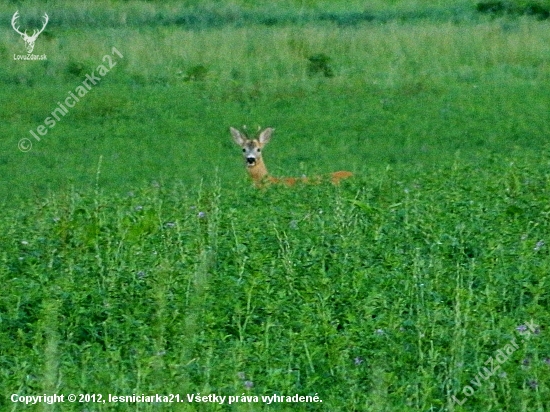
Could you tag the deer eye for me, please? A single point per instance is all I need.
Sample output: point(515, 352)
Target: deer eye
point(244, 150)
point(258, 149)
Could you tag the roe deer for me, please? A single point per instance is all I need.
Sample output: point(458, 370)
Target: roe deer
point(252, 153)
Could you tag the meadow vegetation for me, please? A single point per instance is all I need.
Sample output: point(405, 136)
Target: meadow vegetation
point(136, 257)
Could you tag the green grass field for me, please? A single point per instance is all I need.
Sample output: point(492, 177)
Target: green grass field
point(137, 258)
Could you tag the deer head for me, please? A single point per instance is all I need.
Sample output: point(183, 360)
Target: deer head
point(252, 151)
point(29, 40)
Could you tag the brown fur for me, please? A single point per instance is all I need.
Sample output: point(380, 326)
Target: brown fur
point(254, 162)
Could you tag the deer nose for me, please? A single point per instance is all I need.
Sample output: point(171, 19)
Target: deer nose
point(250, 160)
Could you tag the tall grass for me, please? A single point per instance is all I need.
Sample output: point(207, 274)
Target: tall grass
point(136, 258)
point(386, 54)
point(387, 293)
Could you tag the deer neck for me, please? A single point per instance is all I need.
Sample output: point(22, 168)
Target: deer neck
point(258, 172)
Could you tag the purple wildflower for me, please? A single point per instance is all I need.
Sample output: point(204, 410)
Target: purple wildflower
point(521, 328)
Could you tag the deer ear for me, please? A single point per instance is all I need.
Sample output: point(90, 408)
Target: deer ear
point(265, 136)
point(237, 136)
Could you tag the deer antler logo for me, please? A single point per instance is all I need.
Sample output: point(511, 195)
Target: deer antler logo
point(29, 40)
